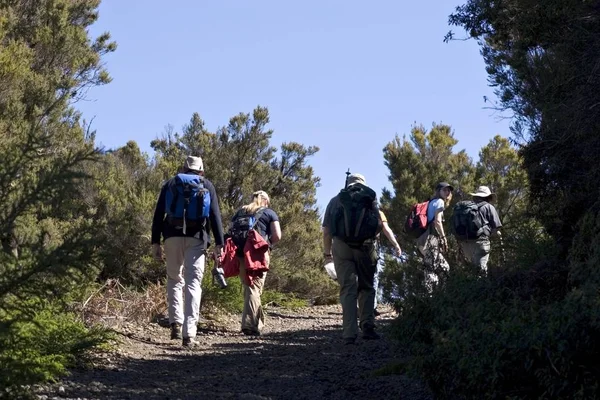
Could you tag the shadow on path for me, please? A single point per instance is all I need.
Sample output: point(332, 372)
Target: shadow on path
point(302, 364)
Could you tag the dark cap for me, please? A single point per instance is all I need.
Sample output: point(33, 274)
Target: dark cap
point(442, 185)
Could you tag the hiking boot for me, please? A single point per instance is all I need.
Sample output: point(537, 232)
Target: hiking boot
point(190, 342)
point(370, 334)
point(175, 331)
point(250, 332)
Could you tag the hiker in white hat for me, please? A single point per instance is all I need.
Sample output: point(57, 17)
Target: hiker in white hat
point(477, 249)
point(186, 213)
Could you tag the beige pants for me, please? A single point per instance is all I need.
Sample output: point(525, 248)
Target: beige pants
point(477, 252)
point(185, 268)
point(355, 269)
point(253, 316)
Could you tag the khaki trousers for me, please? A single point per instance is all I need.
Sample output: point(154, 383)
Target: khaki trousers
point(185, 269)
point(253, 316)
point(477, 252)
point(355, 269)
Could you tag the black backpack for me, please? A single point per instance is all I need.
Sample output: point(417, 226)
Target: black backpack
point(467, 221)
point(356, 218)
point(241, 225)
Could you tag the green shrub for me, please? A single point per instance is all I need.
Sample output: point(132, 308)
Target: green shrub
point(43, 347)
point(495, 338)
point(215, 299)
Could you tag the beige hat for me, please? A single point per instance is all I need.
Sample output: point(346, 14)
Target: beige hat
point(356, 178)
point(194, 163)
point(482, 191)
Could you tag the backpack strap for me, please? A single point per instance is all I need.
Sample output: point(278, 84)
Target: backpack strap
point(173, 188)
point(202, 191)
point(483, 218)
point(257, 214)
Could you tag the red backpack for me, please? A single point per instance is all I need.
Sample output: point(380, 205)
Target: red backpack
point(416, 223)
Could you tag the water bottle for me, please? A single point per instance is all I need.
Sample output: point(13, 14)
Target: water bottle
point(219, 277)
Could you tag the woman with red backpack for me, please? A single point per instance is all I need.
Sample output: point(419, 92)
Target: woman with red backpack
point(433, 243)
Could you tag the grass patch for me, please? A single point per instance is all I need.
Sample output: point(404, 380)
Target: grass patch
point(285, 300)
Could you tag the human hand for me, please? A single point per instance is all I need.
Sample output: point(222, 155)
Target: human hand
point(218, 253)
point(444, 244)
point(397, 251)
point(157, 252)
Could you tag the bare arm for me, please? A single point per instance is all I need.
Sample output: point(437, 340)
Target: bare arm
point(438, 224)
point(389, 234)
point(275, 232)
point(439, 227)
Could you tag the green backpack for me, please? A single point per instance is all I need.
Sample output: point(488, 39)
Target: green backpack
point(467, 221)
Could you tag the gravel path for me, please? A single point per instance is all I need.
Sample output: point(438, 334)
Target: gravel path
point(299, 356)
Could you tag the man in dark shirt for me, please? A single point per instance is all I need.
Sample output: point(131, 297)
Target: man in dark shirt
point(355, 267)
point(477, 252)
point(186, 240)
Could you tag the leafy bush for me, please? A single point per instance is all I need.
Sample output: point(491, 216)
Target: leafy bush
point(42, 348)
point(215, 299)
point(519, 335)
point(231, 299)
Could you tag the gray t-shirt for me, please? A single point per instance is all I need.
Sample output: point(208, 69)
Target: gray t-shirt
point(490, 215)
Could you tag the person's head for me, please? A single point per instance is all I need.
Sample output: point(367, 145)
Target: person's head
point(353, 179)
point(260, 198)
point(193, 165)
point(443, 190)
point(483, 193)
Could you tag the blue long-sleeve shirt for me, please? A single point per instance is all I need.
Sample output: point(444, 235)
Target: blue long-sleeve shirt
point(214, 225)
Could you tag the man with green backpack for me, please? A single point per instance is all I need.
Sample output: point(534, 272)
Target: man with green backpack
point(473, 222)
point(350, 226)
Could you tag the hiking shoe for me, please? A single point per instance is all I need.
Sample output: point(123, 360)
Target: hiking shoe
point(370, 334)
point(175, 331)
point(189, 342)
point(349, 340)
point(250, 332)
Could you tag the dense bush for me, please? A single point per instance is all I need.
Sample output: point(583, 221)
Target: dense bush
point(493, 338)
point(43, 347)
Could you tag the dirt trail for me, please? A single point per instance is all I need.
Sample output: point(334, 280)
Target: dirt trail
point(299, 356)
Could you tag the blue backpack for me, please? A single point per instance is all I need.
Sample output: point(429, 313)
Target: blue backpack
point(187, 201)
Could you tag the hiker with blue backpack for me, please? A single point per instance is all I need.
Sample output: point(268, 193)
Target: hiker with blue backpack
point(254, 230)
point(186, 213)
point(350, 227)
point(473, 222)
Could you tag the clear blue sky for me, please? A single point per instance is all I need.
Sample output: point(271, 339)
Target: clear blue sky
point(343, 75)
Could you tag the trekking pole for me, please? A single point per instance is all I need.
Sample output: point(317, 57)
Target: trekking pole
point(502, 251)
point(347, 176)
